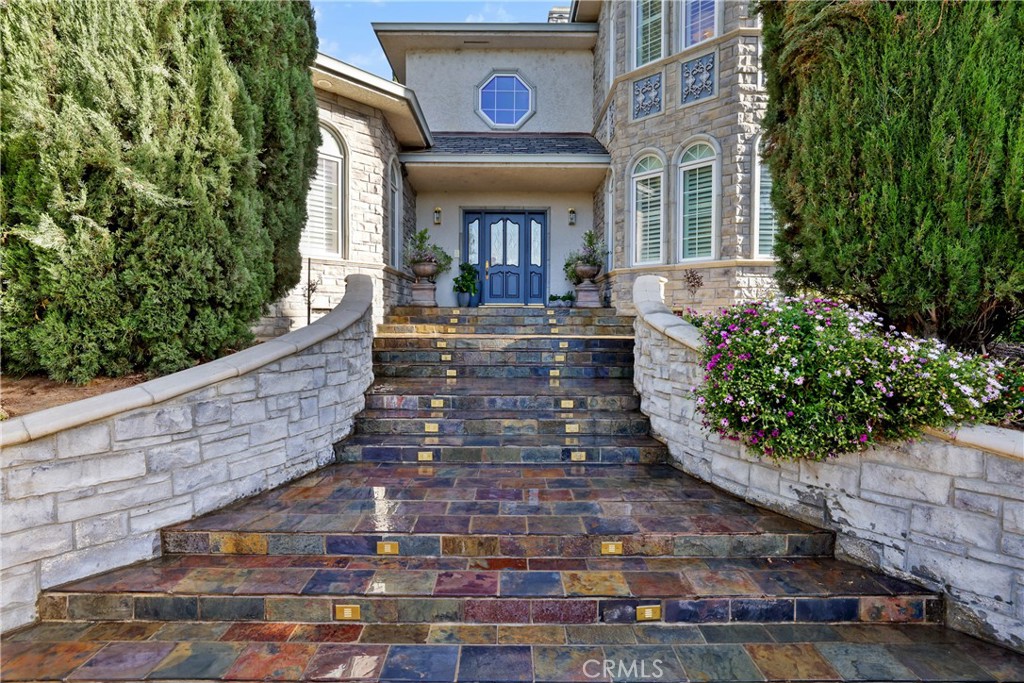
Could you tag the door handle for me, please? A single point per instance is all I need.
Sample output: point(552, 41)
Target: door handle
point(487, 269)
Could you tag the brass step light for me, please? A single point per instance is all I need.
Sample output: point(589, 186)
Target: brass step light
point(347, 612)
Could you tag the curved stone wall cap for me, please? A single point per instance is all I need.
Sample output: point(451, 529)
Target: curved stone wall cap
point(649, 300)
point(357, 300)
point(1008, 442)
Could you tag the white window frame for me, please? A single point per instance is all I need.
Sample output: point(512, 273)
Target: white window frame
point(395, 201)
point(342, 199)
point(684, 35)
point(635, 42)
point(716, 197)
point(634, 226)
point(756, 208)
point(530, 88)
point(609, 228)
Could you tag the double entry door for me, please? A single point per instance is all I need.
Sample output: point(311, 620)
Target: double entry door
point(510, 249)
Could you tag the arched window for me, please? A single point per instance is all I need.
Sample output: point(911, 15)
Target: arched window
point(326, 201)
point(395, 213)
point(647, 31)
point(648, 179)
point(766, 223)
point(698, 200)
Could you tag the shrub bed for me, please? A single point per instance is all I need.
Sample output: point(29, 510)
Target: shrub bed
point(803, 378)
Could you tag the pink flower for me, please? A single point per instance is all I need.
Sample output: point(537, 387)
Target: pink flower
point(863, 438)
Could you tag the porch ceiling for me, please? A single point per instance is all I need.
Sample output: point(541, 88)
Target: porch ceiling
point(520, 176)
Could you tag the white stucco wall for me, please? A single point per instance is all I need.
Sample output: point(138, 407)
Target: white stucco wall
point(562, 238)
point(446, 85)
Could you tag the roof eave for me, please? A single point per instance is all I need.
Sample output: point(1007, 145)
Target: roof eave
point(397, 102)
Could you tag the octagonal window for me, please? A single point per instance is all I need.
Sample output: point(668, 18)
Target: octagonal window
point(506, 101)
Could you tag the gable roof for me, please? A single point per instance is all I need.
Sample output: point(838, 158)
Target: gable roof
point(516, 143)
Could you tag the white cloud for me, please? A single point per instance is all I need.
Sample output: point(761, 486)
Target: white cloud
point(491, 11)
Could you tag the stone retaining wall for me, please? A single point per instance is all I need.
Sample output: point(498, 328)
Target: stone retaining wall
point(87, 486)
point(946, 511)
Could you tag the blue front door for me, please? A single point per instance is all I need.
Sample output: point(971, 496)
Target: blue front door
point(510, 249)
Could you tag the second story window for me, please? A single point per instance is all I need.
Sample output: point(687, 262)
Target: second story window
point(506, 101)
point(700, 21)
point(647, 16)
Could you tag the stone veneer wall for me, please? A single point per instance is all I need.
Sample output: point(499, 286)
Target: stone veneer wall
point(371, 146)
point(946, 511)
point(731, 117)
point(87, 486)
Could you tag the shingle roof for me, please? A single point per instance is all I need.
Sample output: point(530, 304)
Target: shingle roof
point(516, 143)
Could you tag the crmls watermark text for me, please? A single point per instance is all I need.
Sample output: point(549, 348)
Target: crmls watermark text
point(623, 669)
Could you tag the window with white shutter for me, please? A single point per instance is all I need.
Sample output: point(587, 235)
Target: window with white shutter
point(698, 212)
point(325, 201)
point(648, 209)
point(647, 18)
point(765, 221)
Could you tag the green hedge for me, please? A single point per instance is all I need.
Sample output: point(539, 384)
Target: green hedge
point(155, 158)
point(895, 135)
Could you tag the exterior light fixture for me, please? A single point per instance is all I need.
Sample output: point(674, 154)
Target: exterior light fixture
point(572, 216)
point(437, 215)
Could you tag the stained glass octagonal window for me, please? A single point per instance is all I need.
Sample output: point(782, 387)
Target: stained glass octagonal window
point(505, 100)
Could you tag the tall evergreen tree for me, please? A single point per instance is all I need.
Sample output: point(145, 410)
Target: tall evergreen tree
point(133, 195)
point(895, 134)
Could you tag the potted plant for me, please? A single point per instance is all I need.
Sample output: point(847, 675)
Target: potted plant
point(561, 301)
point(424, 259)
point(581, 267)
point(465, 284)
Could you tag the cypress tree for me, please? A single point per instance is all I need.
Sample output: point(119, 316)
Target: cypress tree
point(132, 206)
point(895, 134)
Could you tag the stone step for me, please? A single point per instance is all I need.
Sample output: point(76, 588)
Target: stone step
point(571, 328)
point(469, 393)
point(387, 590)
point(552, 371)
point(500, 422)
point(463, 357)
point(491, 311)
point(503, 450)
point(524, 511)
point(490, 652)
point(480, 342)
point(539, 318)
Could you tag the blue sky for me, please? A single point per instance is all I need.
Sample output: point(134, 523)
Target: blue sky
point(344, 28)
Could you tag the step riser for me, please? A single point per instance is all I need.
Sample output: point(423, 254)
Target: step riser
point(507, 371)
point(470, 343)
point(494, 358)
point(483, 427)
point(510, 330)
point(508, 320)
point(503, 455)
point(500, 403)
point(489, 311)
point(512, 545)
point(487, 609)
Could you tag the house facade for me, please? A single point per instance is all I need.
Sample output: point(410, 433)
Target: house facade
point(637, 118)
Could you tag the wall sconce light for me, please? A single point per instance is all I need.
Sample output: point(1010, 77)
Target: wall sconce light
point(572, 216)
point(437, 215)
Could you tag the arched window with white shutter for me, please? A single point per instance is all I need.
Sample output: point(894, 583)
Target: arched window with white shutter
point(324, 234)
point(395, 212)
point(698, 202)
point(648, 209)
point(766, 223)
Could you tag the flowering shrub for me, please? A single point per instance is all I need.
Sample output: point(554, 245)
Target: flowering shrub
point(807, 378)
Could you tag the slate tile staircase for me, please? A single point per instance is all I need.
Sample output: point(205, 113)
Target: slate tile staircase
point(500, 513)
